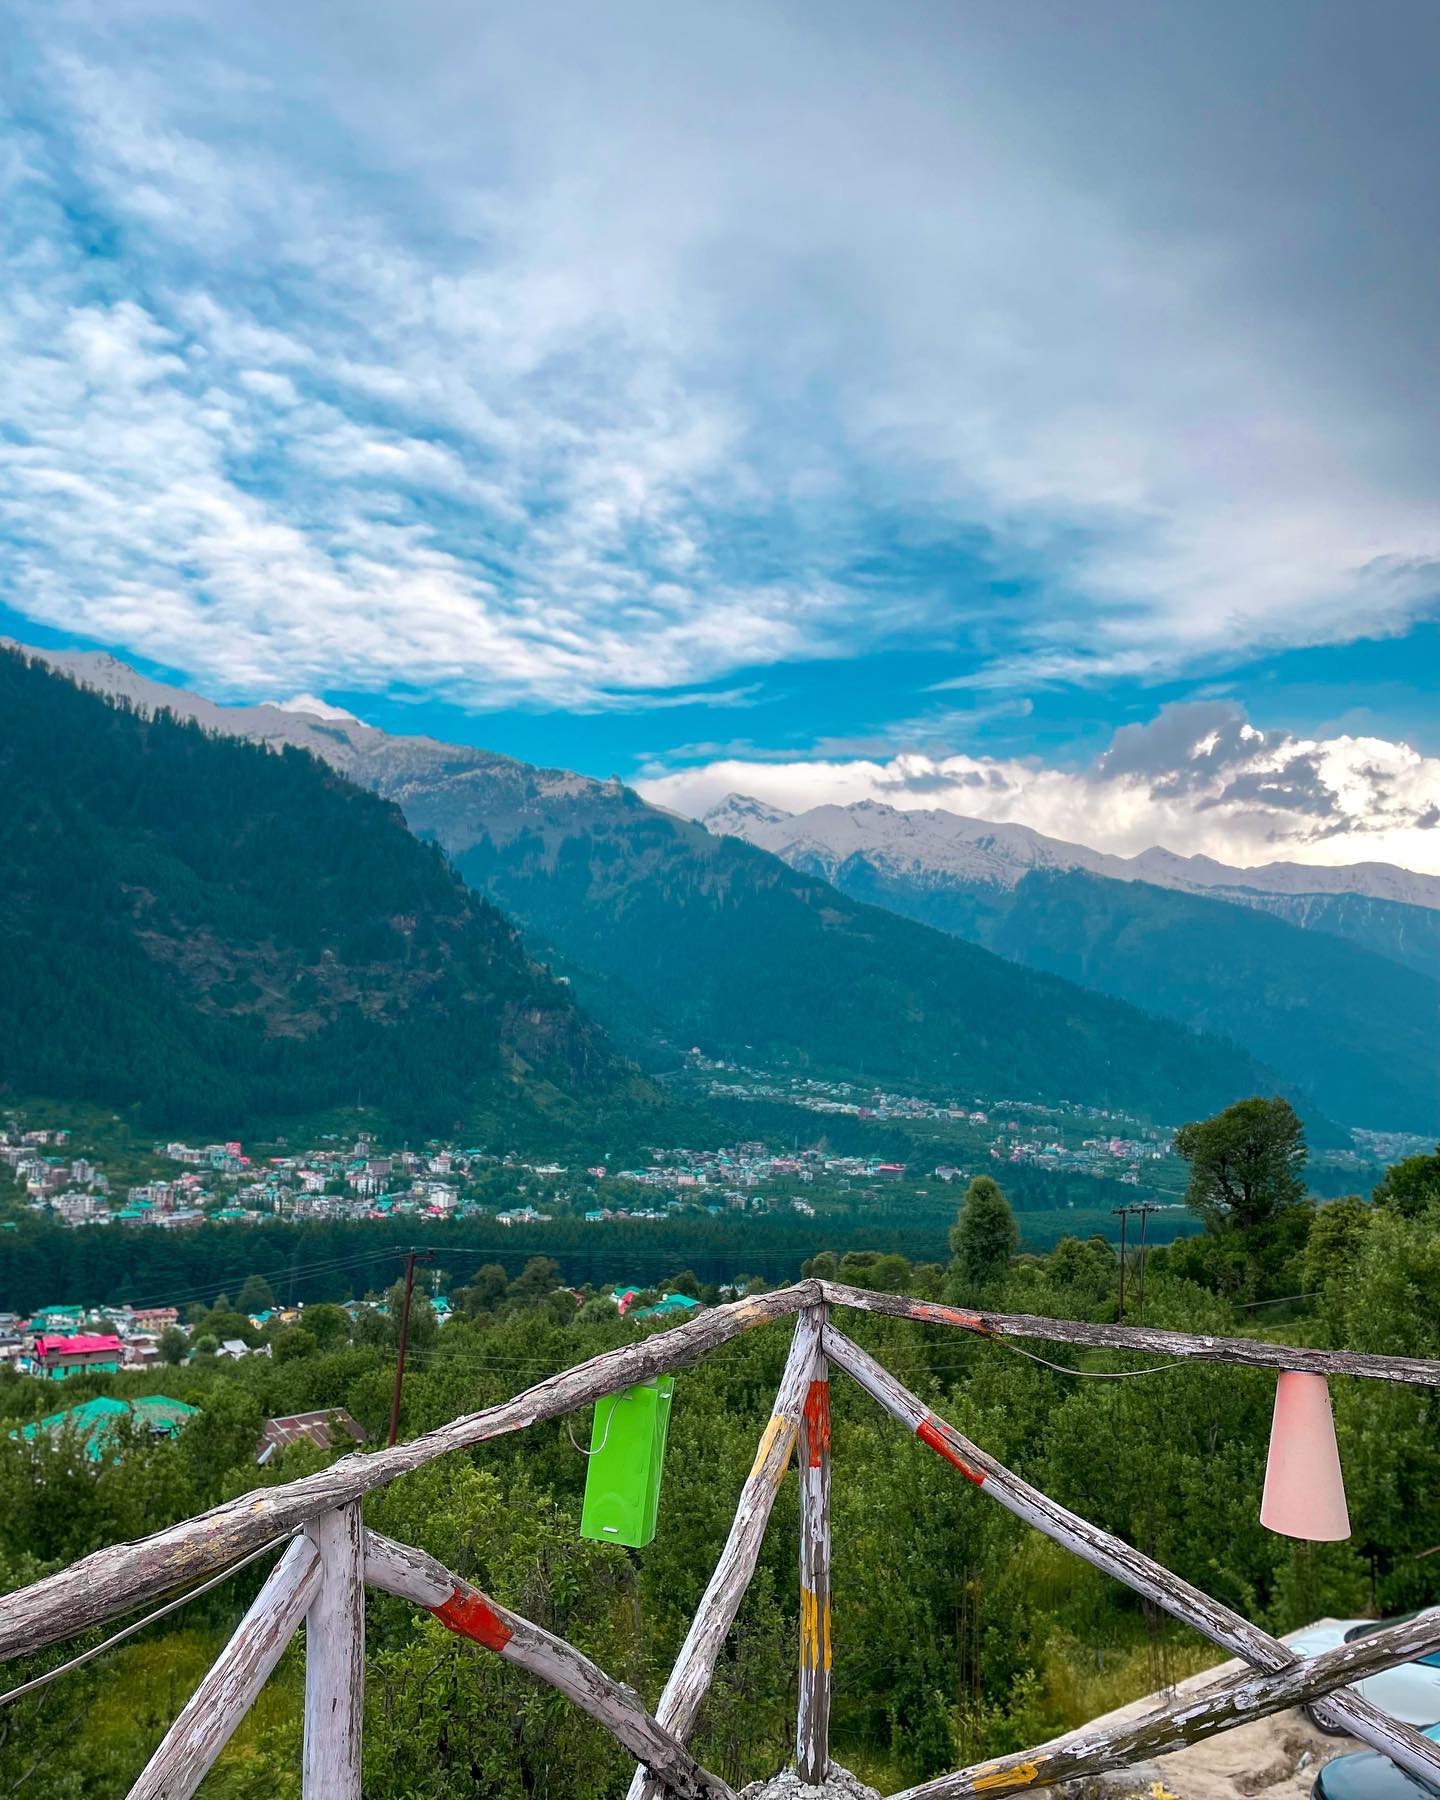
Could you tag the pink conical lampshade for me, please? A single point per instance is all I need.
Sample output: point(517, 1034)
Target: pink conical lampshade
point(1304, 1490)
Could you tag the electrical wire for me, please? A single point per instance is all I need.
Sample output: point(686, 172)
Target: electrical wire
point(605, 1439)
point(1093, 1374)
point(160, 1612)
point(333, 1265)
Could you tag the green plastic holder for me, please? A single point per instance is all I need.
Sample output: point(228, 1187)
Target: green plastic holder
point(627, 1456)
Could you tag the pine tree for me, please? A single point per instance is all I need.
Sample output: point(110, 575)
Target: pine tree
point(984, 1236)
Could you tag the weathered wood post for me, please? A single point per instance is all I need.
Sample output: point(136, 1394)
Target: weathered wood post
point(812, 1730)
point(335, 1658)
point(689, 1680)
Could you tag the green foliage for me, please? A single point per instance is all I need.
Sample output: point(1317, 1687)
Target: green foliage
point(1246, 1163)
point(256, 1296)
point(1335, 1242)
point(292, 1341)
point(247, 937)
point(984, 1236)
point(328, 1326)
point(1411, 1187)
point(957, 1632)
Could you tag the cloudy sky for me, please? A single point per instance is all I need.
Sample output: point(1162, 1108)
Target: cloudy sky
point(1027, 409)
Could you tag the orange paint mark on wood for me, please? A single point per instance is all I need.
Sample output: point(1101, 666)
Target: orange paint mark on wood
point(970, 1321)
point(817, 1422)
point(470, 1615)
point(929, 1433)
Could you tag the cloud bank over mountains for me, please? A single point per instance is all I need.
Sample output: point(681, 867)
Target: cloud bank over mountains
point(1197, 779)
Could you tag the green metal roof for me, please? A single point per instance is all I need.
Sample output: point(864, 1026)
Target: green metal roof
point(96, 1420)
point(672, 1303)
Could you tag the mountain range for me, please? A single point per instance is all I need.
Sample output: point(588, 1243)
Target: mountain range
point(674, 937)
point(1332, 976)
point(919, 841)
point(222, 937)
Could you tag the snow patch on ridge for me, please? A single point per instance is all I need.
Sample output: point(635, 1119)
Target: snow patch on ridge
point(936, 845)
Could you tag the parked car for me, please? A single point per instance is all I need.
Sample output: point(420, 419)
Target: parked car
point(1410, 1692)
point(1369, 1776)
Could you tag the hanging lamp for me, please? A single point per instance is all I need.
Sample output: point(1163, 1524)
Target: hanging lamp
point(1304, 1488)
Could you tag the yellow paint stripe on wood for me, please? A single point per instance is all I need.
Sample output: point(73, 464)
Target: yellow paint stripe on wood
point(778, 1423)
point(814, 1631)
point(1018, 1775)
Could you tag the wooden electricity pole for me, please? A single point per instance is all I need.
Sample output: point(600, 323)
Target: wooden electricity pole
point(404, 1337)
point(1122, 1213)
point(1144, 1209)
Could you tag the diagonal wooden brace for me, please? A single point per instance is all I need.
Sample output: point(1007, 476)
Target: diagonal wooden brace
point(1414, 1753)
point(1220, 1706)
point(412, 1575)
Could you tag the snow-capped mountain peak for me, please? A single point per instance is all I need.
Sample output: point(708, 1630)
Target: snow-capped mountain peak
point(738, 814)
point(935, 846)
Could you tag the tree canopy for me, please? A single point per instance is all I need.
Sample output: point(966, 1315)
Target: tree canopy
point(1410, 1187)
point(1246, 1163)
point(984, 1236)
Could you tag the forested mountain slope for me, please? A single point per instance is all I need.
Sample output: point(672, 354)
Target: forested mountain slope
point(225, 935)
point(1354, 1028)
point(1408, 935)
point(730, 950)
point(676, 937)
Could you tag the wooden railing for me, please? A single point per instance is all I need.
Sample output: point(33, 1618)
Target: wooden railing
point(330, 1558)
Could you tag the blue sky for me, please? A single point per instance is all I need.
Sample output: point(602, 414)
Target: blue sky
point(834, 402)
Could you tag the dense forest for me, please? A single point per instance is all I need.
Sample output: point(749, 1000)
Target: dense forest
point(233, 936)
point(1299, 1000)
point(957, 1632)
point(676, 938)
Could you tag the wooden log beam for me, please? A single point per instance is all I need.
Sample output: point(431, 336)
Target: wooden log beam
point(1220, 1706)
point(335, 1658)
point(812, 1725)
point(465, 1610)
point(1416, 1754)
point(1171, 1344)
point(118, 1579)
point(208, 1721)
point(690, 1678)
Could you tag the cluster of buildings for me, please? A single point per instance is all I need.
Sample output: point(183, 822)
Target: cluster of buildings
point(1007, 1131)
point(220, 1184)
point(729, 1081)
point(58, 1341)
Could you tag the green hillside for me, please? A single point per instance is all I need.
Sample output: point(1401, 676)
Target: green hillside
point(702, 940)
point(226, 935)
point(1353, 1029)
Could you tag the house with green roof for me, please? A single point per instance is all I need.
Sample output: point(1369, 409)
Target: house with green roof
point(55, 1319)
point(665, 1307)
point(98, 1422)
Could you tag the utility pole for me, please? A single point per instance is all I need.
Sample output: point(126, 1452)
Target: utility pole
point(404, 1338)
point(1122, 1213)
point(1144, 1209)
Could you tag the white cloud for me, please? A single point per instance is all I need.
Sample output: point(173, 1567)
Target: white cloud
point(1199, 779)
point(406, 348)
